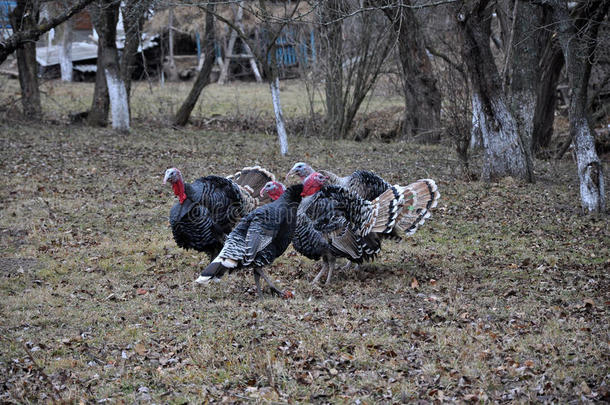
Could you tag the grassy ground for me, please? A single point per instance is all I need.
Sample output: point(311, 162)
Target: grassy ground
point(502, 296)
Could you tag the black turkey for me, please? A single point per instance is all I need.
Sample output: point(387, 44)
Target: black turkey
point(258, 239)
point(208, 208)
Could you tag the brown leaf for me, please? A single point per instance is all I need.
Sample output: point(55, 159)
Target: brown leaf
point(141, 291)
point(589, 302)
point(414, 283)
point(140, 349)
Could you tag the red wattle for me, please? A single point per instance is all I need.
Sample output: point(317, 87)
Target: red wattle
point(276, 193)
point(309, 188)
point(179, 190)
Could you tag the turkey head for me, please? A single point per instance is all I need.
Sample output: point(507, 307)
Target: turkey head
point(313, 183)
point(274, 189)
point(174, 177)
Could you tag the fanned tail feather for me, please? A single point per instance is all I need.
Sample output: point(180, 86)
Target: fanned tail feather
point(386, 209)
point(254, 178)
point(420, 197)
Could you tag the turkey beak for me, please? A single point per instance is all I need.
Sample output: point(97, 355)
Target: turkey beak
point(290, 173)
point(262, 192)
point(166, 178)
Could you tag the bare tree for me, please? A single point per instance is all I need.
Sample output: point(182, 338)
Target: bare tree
point(422, 96)
point(31, 34)
point(521, 70)
point(203, 78)
point(578, 46)
point(65, 51)
point(551, 65)
point(504, 150)
point(331, 35)
point(23, 19)
point(134, 12)
point(105, 17)
point(355, 44)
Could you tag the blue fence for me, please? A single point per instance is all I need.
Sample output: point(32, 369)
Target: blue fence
point(291, 51)
point(5, 8)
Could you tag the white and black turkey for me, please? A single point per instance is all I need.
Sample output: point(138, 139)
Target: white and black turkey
point(368, 185)
point(259, 238)
point(208, 208)
point(333, 222)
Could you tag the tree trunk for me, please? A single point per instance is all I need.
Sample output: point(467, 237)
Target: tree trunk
point(203, 78)
point(476, 137)
point(504, 151)
point(98, 115)
point(422, 96)
point(65, 51)
point(332, 47)
point(578, 46)
point(279, 116)
point(108, 66)
point(224, 69)
point(133, 21)
point(551, 65)
point(523, 68)
point(23, 19)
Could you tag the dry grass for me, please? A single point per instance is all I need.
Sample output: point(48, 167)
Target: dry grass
point(502, 296)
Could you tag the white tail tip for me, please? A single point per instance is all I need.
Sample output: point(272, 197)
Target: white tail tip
point(203, 279)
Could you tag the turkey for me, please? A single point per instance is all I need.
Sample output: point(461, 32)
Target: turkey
point(208, 208)
point(259, 238)
point(334, 222)
point(368, 185)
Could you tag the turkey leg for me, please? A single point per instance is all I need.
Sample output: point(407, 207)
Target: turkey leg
point(331, 266)
point(322, 269)
point(258, 272)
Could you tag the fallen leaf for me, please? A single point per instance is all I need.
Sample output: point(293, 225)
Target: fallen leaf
point(414, 283)
point(141, 291)
point(140, 349)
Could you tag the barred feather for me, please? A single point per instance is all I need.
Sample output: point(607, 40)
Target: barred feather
point(259, 238)
point(420, 197)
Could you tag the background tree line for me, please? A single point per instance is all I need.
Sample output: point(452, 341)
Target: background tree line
point(481, 74)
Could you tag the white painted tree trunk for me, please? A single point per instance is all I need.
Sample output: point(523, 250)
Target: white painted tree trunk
point(476, 141)
point(119, 105)
point(504, 154)
point(590, 170)
point(65, 52)
point(279, 116)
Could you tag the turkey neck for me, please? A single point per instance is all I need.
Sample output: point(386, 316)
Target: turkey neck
point(179, 190)
point(332, 177)
point(292, 194)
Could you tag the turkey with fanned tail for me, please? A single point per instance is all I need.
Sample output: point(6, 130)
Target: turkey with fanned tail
point(334, 222)
point(208, 208)
point(421, 196)
point(258, 239)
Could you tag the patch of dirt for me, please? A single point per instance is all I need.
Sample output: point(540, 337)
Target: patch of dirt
point(10, 266)
point(14, 237)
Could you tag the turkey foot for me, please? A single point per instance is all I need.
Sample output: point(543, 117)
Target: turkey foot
point(258, 272)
